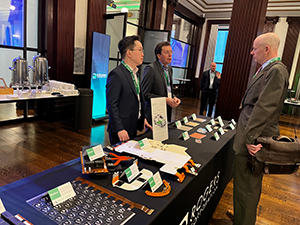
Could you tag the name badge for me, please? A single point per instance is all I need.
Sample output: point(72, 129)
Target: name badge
point(155, 182)
point(212, 121)
point(178, 124)
point(217, 137)
point(194, 116)
point(221, 131)
point(220, 121)
point(169, 95)
point(231, 126)
point(185, 120)
point(61, 193)
point(234, 123)
point(95, 152)
point(144, 143)
point(208, 128)
point(185, 135)
point(131, 172)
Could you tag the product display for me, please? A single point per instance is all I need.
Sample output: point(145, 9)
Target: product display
point(91, 205)
point(107, 164)
point(172, 156)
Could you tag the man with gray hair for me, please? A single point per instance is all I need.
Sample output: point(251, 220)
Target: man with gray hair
point(260, 111)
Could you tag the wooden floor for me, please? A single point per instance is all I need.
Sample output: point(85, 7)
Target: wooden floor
point(32, 147)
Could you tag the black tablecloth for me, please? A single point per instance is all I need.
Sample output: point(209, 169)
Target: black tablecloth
point(195, 199)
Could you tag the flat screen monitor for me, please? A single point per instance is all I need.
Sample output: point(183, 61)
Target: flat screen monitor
point(180, 53)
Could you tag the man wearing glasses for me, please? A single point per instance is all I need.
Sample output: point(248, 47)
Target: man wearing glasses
point(124, 100)
point(157, 80)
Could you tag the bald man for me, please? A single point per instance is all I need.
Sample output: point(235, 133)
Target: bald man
point(260, 112)
point(209, 85)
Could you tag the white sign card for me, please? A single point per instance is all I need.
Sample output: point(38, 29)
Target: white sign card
point(232, 120)
point(95, 152)
point(178, 123)
point(212, 121)
point(61, 193)
point(221, 131)
point(155, 182)
point(131, 172)
point(208, 127)
point(2, 208)
point(159, 119)
point(144, 143)
point(220, 121)
point(231, 126)
point(185, 135)
point(194, 116)
point(217, 137)
point(185, 120)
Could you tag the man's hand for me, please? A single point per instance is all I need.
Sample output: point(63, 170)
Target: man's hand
point(252, 149)
point(218, 75)
point(123, 135)
point(171, 102)
point(147, 125)
point(177, 101)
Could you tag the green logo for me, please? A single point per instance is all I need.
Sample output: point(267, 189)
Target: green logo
point(54, 194)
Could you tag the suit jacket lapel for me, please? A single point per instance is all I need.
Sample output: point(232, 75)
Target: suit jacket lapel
point(161, 74)
point(129, 79)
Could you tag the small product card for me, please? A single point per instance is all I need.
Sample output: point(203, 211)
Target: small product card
point(231, 126)
point(221, 131)
point(178, 123)
point(61, 193)
point(194, 116)
point(185, 135)
point(208, 127)
point(212, 121)
point(131, 172)
point(185, 120)
point(220, 121)
point(233, 122)
point(2, 208)
point(155, 182)
point(95, 152)
point(217, 137)
point(144, 143)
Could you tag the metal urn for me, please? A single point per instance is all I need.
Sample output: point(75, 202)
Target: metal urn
point(20, 70)
point(40, 70)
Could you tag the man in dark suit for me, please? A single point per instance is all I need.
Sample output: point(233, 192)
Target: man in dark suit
point(209, 85)
point(157, 80)
point(261, 108)
point(124, 100)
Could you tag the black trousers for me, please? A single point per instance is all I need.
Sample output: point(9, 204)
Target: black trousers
point(210, 95)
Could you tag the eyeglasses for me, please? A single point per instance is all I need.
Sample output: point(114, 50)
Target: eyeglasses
point(140, 50)
point(167, 52)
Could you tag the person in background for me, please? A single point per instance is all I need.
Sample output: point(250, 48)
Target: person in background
point(157, 80)
point(209, 85)
point(124, 99)
point(260, 111)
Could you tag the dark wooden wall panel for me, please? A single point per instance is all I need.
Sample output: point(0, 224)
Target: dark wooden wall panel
point(95, 22)
point(247, 21)
point(291, 41)
point(156, 15)
point(60, 39)
point(169, 15)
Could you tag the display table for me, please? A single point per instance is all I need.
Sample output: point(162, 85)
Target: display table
point(44, 101)
point(193, 201)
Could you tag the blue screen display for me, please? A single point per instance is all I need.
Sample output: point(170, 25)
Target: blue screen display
point(12, 23)
point(99, 72)
point(180, 53)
